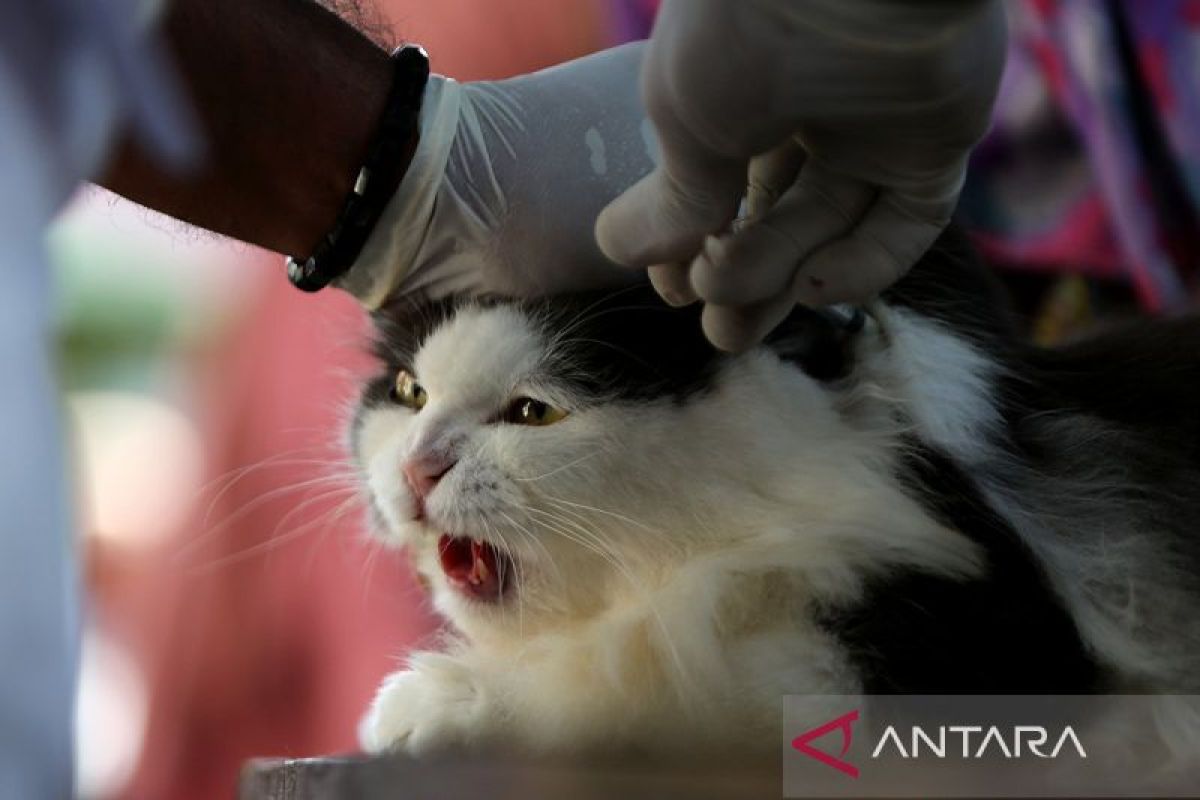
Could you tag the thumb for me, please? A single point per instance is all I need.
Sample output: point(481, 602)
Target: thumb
point(659, 219)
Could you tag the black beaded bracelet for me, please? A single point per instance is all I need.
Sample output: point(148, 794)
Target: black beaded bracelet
point(380, 173)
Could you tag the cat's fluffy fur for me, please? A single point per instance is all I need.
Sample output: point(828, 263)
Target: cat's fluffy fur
point(924, 505)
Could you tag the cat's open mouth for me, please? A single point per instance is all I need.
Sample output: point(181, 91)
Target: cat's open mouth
point(474, 567)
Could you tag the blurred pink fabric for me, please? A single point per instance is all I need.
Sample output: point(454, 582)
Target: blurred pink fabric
point(268, 636)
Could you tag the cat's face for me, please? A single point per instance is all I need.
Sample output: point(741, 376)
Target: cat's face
point(540, 462)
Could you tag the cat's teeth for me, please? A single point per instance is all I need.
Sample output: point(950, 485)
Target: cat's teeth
point(479, 569)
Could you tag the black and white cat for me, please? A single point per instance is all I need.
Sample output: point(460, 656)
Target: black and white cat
point(641, 542)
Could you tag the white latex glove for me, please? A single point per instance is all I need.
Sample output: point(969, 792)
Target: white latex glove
point(849, 120)
point(506, 183)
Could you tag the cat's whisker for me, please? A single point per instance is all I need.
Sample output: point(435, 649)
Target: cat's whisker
point(375, 547)
point(305, 453)
point(558, 501)
point(533, 539)
point(339, 481)
point(582, 537)
point(586, 314)
point(562, 468)
point(601, 548)
point(350, 497)
point(289, 459)
point(593, 312)
point(208, 529)
point(594, 538)
point(547, 561)
point(591, 540)
point(275, 541)
point(580, 523)
point(591, 547)
point(331, 517)
point(501, 566)
point(579, 513)
point(610, 346)
point(517, 577)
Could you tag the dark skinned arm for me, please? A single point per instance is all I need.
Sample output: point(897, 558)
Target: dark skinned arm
point(288, 96)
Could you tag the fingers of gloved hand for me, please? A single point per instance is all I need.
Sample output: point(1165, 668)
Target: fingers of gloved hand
point(671, 282)
point(892, 236)
point(770, 175)
point(738, 328)
point(759, 260)
point(707, 92)
point(659, 220)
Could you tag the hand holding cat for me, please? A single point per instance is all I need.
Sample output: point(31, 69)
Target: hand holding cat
point(846, 123)
point(850, 123)
point(506, 183)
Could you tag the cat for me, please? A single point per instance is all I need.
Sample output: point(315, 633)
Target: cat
point(642, 543)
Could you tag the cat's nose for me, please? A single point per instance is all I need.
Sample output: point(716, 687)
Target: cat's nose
point(423, 473)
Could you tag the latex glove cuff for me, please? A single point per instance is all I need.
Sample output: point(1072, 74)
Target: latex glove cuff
point(392, 246)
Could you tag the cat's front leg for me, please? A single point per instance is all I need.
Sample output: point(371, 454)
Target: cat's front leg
point(438, 703)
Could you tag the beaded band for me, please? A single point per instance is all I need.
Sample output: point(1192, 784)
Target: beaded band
point(386, 161)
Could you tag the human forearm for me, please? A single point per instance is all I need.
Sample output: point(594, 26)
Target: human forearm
point(288, 97)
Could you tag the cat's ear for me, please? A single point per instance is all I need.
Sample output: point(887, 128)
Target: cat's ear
point(820, 342)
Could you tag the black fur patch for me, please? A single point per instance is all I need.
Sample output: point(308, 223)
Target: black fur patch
point(916, 632)
point(625, 344)
point(1143, 375)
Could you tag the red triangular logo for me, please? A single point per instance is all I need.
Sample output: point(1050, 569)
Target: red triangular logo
point(843, 723)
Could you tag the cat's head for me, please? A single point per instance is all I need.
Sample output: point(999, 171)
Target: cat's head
point(539, 459)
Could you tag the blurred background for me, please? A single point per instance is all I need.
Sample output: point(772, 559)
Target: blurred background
point(237, 607)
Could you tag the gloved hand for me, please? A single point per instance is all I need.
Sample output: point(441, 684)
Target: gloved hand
point(503, 191)
point(847, 123)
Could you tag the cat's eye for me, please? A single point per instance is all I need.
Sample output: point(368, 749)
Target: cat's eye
point(407, 392)
point(527, 411)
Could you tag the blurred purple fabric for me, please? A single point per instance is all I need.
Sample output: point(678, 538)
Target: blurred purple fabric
point(1093, 162)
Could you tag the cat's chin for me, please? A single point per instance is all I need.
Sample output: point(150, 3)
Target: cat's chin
point(476, 569)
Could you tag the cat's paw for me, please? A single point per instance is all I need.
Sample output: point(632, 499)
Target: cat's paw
point(438, 704)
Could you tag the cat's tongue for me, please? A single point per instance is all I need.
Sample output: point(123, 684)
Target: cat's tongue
point(474, 567)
